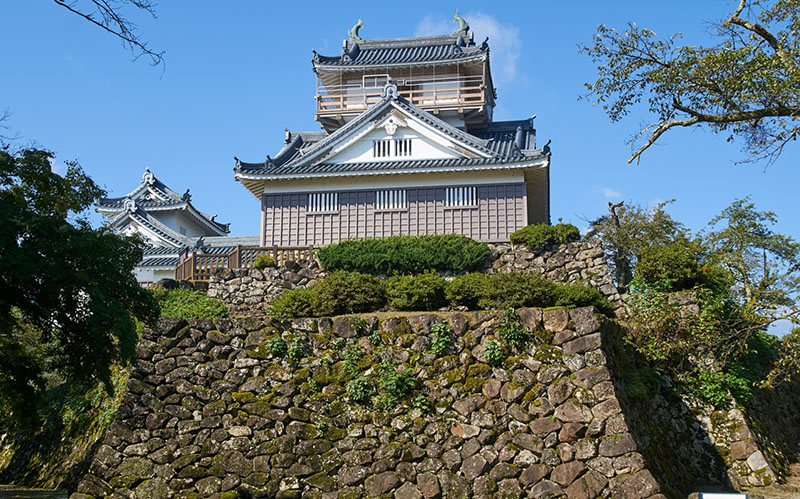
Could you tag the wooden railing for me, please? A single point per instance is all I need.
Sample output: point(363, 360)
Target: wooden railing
point(201, 266)
point(341, 99)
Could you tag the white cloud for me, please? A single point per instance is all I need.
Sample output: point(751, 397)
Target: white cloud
point(610, 193)
point(504, 41)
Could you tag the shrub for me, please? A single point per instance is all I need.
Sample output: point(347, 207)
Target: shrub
point(494, 353)
point(673, 266)
point(577, 295)
point(348, 293)
point(405, 254)
point(421, 292)
point(188, 304)
point(263, 261)
point(276, 347)
point(442, 339)
point(466, 290)
point(482, 291)
point(537, 236)
point(360, 390)
point(512, 331)
point(295, 303)
point(338, 293)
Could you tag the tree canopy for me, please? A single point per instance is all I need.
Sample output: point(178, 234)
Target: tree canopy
point(68, 297)
point(746, 86)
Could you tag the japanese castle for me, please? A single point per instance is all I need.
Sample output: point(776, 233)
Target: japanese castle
point(408, 146)
point(169, 223)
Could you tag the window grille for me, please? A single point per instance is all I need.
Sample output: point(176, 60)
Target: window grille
point(388, 148)
point(402, 147)
point(460, 196)
point(322, 201)
point(394, 199)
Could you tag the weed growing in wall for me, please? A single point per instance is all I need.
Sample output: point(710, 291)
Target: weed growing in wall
point(276, 347)
point(494, 353)
point(512, 331)
point(298, 348)
point(441, 340)
point(360, 390)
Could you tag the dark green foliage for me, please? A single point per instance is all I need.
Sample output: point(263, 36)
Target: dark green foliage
point(348, 293)
point(512, 332)
point(674, 265)
point(298, 348)
point(394, 385)
point(276, 347)
point(442, 339)
point(494, 353)
point(466, 290)
point(352, 355)
point(420, 292)
point(68, 297)
point(537, 236)
point(488, 291)
point(359, 325)
point(405, 254)
point(360, 390)
point(188, 304)
point(298, 302)
point(263, 261)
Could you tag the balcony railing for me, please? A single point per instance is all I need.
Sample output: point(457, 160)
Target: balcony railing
point(427, 93)
point(201, 266)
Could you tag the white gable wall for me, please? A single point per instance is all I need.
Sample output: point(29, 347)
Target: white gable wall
point(362, 149)
point(175, 219)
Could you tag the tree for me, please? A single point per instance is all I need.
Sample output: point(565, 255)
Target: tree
point(68, 297)
point(747, 86)
point(628, 231)
point(108, 15)
point(764, 265)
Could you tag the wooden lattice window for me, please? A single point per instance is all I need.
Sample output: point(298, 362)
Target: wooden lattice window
point(455, 197)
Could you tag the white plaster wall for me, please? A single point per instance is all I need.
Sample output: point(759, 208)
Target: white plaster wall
point(421, 148)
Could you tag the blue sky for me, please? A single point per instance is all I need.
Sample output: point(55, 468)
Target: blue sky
point(237, 73)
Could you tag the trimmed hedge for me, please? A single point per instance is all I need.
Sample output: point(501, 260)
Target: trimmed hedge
point(536, 236)
point(338, 293)
point(405, 254)
point(421, 292)
point(492, 291)
point(349, 292)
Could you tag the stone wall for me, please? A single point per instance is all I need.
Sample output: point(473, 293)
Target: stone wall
point(209, 411)
point(251, 291)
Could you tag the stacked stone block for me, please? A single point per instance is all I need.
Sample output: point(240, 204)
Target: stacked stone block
point(208, 414)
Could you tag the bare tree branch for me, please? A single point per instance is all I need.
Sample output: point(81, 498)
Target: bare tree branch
point(106, 15)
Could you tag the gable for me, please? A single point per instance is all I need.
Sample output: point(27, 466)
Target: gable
point(398, 135)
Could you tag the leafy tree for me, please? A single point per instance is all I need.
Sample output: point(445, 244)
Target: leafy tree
point(746, 86)
point(764, 265)
point(628, 231)
point(68, 297)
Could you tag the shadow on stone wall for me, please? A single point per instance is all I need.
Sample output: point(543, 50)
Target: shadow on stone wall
point(677, 448)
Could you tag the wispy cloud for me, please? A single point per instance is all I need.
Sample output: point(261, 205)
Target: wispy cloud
point(504, 40)
point(610, 193)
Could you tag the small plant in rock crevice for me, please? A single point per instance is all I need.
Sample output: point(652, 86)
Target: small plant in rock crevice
point(375, 339)
point(352, 355)
point(395, 385)
point(512, 331)
point(442, 339)
point(493, 353)
point(276, 347)
point(358, 324)
point(360, 390)
point(298, 348)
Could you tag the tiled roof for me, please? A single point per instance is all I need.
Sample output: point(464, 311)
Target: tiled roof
point(162, 198)
point(498, 143)
point(398, 166)
point(403, 51)
point(297, 156)
point(161, 261)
